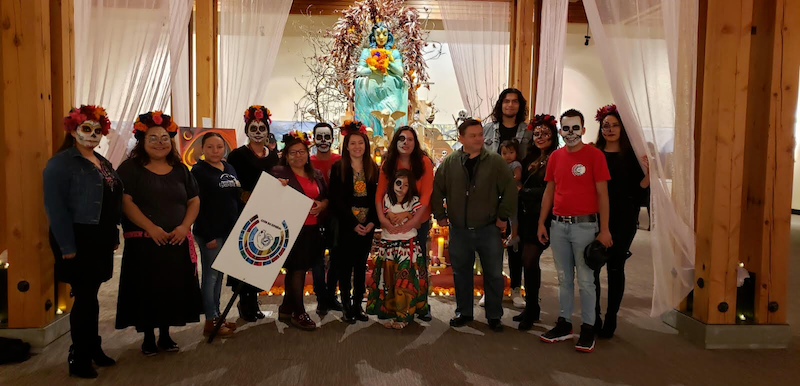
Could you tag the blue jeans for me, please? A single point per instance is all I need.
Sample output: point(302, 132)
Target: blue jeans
point(487, 241)
point(211, 286)
point(568, 242)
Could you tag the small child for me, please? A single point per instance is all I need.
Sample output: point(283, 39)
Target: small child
point(399, 272)
point(509, 150)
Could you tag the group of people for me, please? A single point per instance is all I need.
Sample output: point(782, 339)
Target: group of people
point(507, 172)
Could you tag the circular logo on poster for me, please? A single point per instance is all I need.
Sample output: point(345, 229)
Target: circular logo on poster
point(578, 170)
point(262, 242)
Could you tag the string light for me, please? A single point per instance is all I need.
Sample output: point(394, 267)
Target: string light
point(59, 312)
point(306, 293)
point(741, 317)
point(741, 265)
point(283, 293)
point(270, 293)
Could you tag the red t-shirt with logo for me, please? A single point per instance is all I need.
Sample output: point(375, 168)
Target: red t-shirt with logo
point(575, 175)
point(325, 165)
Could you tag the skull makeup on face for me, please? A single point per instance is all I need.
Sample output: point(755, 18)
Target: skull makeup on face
point(323, 138)
point(88, 134)
point(257, 131)
point(405, 142)
point(401, 187)
point(571, 130)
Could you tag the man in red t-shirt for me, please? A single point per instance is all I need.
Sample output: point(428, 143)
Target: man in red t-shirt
point(577, 191)
point(323, 161)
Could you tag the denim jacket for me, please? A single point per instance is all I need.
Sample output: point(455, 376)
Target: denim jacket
point(491, 137)
point(73, 193)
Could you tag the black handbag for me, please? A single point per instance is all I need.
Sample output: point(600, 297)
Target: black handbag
point(595, 255)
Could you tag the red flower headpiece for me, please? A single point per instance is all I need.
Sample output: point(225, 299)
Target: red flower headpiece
point(152, 119)
point(296, 136)
point(85, 113)
point(543, 120)
point(604, 111)
point(257, 112)
point(352, 127)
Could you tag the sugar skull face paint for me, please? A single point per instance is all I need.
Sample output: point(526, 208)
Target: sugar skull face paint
point(323, 139)
point(571, 130)
point(401, 187)
point(257, 131)
point(88, 134)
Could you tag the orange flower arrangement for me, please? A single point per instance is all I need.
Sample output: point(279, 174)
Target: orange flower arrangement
point(379, 59)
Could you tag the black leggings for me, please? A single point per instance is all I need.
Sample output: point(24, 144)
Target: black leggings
point(84, 318)
point(515, 266)
point(351, 261)
point(293, 300)
point(531, 252)
point(622, 235)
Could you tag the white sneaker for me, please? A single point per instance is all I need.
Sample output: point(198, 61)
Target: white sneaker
point(517, 299)
point(482, 302)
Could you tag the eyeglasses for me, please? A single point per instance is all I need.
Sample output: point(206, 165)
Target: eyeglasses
point(542, 134)
point(609, 126)
point(297, 153)
point(164, 139)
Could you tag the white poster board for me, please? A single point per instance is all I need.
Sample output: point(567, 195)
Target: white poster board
point(264, 234)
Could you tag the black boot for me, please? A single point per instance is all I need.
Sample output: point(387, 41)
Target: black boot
point(79, 366)
point(609, 327)
point(99, 357)
point(347, 312)
point(244, 306)
point(358, 311)
point(255, 306)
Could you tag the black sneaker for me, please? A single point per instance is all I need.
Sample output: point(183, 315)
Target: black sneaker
point(561, 332)
point(586, 341)
point(608, 328)
point(167, 344)
point(334, 305)
point(149, 347)
point(495, 325)
point(460, 321)
point(322, 308)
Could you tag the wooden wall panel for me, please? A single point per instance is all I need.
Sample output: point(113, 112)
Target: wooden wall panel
point(206, 56)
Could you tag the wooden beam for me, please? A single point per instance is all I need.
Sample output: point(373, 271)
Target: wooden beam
point(537, 43)
point(721, 159)
point(206, 54)
point(27, 128)
point(522, 56)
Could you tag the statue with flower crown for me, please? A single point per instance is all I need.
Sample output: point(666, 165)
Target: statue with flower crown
point(380, 85)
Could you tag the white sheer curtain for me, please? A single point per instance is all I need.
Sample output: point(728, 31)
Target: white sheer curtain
point(649, 52)
point(478, 37)
point(250, 33)
point(551, 57)
point(181, 88)
point(122, 52)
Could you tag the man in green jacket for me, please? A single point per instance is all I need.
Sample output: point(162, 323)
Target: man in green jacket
point(480, 194)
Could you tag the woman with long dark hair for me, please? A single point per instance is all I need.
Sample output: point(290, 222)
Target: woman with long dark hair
point(158, 286)
point(249, 161)
point(625, 193)
point(545, 142)
point(354, 181)
point(83, 202)
point(405, 152)
point(296, 171)
point(220, 190)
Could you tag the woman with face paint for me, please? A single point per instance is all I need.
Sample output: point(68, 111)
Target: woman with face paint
point(354, 181)
point(625, 191)
point(400, 281)
point(158, 286)
point(83, 202)
point(405, 153)
point(250, 161)
point(296, 172)
point(545, 142)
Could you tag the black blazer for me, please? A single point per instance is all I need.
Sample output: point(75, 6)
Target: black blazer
point(286, 173)
point(342, 200)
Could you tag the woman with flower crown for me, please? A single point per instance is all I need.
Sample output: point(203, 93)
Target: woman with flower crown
point(296, 172)
point(626, 190)
point(83, 201)
point(249, 161)
point(354, 181)
point(158, 286)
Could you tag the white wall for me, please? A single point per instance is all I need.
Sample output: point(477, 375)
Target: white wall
point(585, 87)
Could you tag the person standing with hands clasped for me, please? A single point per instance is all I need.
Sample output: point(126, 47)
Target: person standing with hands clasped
point(577, 191)
point(481, 196)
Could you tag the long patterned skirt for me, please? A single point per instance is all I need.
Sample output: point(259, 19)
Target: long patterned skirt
point(399, 281)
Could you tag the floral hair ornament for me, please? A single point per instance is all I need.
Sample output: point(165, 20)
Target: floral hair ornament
point(296, 136)
point(543, 120)
point(258, 112)
point(78, 115)
point(152, 119)
point(604, 111)
point(352, 127)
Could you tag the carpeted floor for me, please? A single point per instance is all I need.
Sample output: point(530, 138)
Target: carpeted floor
point(644, 352)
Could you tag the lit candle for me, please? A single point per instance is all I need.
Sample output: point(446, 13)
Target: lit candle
point(378, 159)
point(440, 251)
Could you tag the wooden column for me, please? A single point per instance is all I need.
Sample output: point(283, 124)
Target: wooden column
point(522, 47)
point(27, 129)
point(206, 42)
point(749, 93)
